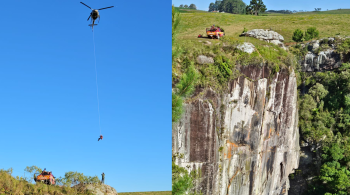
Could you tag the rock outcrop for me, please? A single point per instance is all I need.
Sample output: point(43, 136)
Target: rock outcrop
point(101, 189)
point(245, 141)
point(266, 35)
point(318, 59)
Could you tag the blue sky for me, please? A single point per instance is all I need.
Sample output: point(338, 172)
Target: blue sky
point(308, 5)
point(48, 98)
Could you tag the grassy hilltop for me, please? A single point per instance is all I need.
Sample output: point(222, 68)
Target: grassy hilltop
point(329, 23)
point(21, 186)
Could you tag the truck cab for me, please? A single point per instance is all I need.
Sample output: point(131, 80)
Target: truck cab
point(214, 32)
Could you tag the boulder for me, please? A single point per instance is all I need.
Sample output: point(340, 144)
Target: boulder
point(202, 59)
point(265, 35)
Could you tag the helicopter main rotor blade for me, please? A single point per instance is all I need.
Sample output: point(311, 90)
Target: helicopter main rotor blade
point(105, 8)
point(85, 5)
point(88, 18)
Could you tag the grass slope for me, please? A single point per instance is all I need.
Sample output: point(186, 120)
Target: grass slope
point(328, 23)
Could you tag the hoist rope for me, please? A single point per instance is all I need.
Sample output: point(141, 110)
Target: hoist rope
point(98, 102)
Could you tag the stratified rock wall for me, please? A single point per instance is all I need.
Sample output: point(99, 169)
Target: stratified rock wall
point(244, 142)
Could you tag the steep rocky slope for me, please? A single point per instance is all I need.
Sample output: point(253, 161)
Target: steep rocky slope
point(244, 141)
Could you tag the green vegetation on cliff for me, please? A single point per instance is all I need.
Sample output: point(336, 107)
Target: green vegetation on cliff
point(325, 120)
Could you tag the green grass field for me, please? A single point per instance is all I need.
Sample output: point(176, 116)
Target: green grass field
point(329, 23)
point(342, 11)
point(146, 193)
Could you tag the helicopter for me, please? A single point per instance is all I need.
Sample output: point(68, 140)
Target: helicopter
point(94, 14)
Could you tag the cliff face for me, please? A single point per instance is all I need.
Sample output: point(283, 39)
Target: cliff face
point(245, 141)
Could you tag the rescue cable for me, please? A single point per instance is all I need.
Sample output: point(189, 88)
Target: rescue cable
point(98, 102)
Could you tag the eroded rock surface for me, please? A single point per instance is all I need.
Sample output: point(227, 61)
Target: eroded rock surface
point(243, 142)
point(325, 59)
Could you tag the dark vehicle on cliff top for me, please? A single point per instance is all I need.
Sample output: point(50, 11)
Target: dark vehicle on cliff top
point(45, 177)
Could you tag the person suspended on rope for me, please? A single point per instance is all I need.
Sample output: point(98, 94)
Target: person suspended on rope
point(100, 138)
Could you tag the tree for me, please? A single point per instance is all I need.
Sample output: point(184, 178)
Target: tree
point(32, 170)
point(249, 10)
point(256, 6)
point(186, 6)
point(318, 92)
point(212, 7)
point(217, 4)
point(192, 6)
point(181, 5)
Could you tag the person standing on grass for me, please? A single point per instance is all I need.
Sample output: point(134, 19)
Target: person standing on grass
point(103, 178)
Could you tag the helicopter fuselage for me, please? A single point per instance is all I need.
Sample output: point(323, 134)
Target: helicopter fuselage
point(94, 14)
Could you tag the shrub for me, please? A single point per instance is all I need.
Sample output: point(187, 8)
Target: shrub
point(298, 35)
point(183, 89)
point(275, 69)
point(311, 33)
point(185, 64)
point(181, 180)
point(224, 66)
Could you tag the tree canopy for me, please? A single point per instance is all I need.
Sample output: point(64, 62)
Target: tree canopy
point(192, 6)
point(255, 7)
point(212, 7)
point(229, 6)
